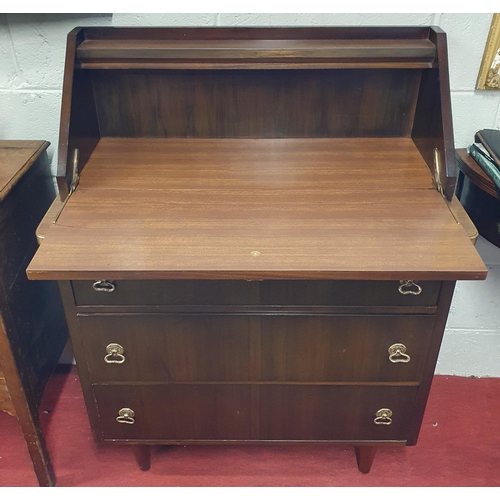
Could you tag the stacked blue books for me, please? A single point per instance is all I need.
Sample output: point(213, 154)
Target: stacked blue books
point(486, 153)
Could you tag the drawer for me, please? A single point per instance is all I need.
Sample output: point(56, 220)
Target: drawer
point(176, 412)
point(268, 292)
point(225, 348)
point(320, 412)
point(282, 413)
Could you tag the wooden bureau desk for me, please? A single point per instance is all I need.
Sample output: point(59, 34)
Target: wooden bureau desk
point(254, 249)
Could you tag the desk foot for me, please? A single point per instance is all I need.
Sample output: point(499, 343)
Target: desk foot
point(142, 454)
point(364, 457)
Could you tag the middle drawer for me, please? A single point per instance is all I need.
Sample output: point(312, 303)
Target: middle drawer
point(230, 348)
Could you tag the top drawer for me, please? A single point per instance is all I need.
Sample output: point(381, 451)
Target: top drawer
point(268, 292)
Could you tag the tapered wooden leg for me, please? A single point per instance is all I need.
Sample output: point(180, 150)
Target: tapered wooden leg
point(142, 454)
point(365, 456)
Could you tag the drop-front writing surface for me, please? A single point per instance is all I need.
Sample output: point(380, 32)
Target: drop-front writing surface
point(255, 208)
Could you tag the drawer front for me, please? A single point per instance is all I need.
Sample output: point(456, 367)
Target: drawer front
point(283, 413)
point(176, 412)
point(269, 292)
point(167, 347)
point(334, 412)
point(225, 348)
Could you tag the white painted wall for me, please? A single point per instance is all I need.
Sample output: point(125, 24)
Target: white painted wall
point(32, 50)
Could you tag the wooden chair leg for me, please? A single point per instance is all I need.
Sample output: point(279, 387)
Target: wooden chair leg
point(142, 454)
point(364, 457)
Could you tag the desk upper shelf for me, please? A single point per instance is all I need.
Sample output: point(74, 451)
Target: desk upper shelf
point(331, 53)
point(255, 209)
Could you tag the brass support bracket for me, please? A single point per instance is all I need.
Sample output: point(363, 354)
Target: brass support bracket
point(75, 179)
point(57, 206)
point(437, 172)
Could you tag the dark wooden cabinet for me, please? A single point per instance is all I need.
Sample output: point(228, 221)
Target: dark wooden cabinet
point(33, 332)
point(259, 242)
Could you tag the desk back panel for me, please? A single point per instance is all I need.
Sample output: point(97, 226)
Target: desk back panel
point(256, 103)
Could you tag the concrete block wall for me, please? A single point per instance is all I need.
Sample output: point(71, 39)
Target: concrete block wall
point(32, 48)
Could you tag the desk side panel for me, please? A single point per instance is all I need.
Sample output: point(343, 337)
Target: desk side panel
point(79, 128)
point(433, 126)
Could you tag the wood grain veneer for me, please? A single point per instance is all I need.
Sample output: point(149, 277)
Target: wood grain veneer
point(240, 294)
point(322, 349)
point(199, 207)
point(261, 103)
point(320, 53)
point(254, 47)
point(16, 157)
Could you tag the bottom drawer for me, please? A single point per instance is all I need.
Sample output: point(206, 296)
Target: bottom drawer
point(240, 412)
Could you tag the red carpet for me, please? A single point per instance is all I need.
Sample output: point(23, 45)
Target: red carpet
point(459, 446)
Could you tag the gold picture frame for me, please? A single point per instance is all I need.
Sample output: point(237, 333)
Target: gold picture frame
point(489, 72)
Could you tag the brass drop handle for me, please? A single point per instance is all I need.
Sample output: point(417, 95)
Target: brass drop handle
point(383, 417)
point(409, 287)
point(397, 354)
point(104, 286)
point(114, 354)
point(126, 416)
